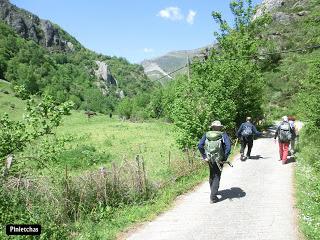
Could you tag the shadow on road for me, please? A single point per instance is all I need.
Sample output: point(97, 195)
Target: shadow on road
point(256, 157)
point(231, 193)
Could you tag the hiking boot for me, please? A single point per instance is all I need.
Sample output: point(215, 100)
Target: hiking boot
point(214, 200)
point(242, 158)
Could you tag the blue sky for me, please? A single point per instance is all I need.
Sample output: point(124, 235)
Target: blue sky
point(134, 29)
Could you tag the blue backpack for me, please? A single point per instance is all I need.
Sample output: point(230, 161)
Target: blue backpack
point(246, 131)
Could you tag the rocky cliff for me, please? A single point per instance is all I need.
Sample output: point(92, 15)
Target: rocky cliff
point(31, 27)
point(279, 10)
point(105, 79)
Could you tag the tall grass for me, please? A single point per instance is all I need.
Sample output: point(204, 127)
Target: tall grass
point(62, 202)
point(308, 184)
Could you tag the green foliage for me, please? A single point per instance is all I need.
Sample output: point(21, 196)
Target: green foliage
point(136, 107)
point(21, 92)
point(227, 86)
point(46, 115)
point(308, 169)
point(82, 156)
point(308, 98)
point(124, 108)
point(308, 187)
point(40, 120)
point(13, 136)
point(16, 207)
point(284, 73)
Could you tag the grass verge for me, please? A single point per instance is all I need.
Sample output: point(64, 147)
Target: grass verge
point(307, 177)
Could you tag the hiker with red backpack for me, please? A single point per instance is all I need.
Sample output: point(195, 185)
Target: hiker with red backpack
point(215, 147)
point(285, 133)
point(246, 133)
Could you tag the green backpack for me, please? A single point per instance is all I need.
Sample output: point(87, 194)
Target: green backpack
point(214, 146)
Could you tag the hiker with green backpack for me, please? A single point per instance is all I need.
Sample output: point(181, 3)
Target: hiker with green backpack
point(285, 133)
point(215, 147)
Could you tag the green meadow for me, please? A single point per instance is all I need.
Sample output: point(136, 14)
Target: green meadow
point(72, 173)
point(115, 140)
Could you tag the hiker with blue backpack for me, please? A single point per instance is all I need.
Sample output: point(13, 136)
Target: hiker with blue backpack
point(246, 133)
point(285, 133)
point(215, 147)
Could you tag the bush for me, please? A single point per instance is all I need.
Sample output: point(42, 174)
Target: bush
point(308, 167)
point(221, 88)
point(82, 156)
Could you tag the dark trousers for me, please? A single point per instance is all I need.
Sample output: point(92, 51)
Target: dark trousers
point(214, 179)
point(244, 143)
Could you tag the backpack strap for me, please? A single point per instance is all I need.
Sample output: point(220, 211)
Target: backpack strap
point(213, 135)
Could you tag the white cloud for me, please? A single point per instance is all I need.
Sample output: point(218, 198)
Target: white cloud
point(148, 50)
point(171, 13)
point(191, 16)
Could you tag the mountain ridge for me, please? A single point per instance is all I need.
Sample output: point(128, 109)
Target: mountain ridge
point(160, 68)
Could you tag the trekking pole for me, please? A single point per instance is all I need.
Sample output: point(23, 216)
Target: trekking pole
point(235, 145)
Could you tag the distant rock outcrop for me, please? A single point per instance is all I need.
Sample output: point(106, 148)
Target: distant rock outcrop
point(274, 8)
point(105, 79)
point(30, 26)
point(282, 18)
point(103, 73)
point(268, 6)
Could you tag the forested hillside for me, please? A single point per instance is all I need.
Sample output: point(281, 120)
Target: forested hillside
point(295, 36)
point(50, 61)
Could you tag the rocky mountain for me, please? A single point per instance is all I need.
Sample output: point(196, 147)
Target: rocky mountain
point(30, 26)
point(43, 58)
point(160, 68)
point(50, 36)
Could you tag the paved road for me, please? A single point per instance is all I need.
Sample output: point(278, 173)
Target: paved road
point(257, 203)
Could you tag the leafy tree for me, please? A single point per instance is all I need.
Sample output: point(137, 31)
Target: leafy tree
point(125, 108)
point(41, 119)
point(308, 99)
point(228, 85)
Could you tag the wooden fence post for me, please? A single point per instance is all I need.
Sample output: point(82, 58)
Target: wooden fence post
point(144, 175)
point(139, 172)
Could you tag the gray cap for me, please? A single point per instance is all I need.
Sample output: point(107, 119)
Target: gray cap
point(216, 124)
